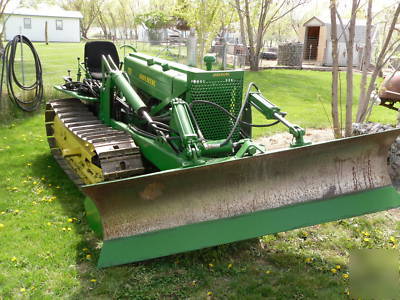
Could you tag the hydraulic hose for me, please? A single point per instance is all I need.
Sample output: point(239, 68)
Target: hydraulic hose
point(231, 115)
point(8, 71)
point(239, 116)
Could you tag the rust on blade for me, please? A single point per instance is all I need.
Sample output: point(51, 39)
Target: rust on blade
point(174, 198)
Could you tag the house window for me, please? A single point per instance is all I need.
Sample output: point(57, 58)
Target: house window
point(27, 23)
point(59, 24)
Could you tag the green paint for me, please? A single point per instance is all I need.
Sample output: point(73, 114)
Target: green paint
point(209, 60)
point(155, 80)
point(105, 104)
point(211, 233)
point(273, 112)
point(75, 94)
point(161, 154)
point(93, 217)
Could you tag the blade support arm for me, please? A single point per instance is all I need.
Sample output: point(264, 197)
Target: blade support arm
point(273, 112)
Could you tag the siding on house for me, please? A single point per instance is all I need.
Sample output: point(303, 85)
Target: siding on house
point(70, 31)
point(62, 25)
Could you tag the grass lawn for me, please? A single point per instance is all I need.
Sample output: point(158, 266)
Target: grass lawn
point(305, 96)
point(47, 250)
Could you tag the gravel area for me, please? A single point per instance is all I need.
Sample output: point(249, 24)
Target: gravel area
point(283, 140)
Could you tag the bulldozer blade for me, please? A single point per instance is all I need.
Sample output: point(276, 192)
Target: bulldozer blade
point(175, 211)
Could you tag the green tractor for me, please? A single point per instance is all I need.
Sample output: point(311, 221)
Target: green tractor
point(165, 156)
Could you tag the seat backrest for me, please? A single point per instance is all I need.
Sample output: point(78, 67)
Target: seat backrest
point(93, 52)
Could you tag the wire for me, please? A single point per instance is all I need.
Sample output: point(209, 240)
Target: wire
point(88, 87)
point(8, 71)
point(163, 127)
point(142, 132)
point(239, 116)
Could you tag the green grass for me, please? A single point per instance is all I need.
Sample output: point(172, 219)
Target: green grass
point(47, 250)
point(305, 96)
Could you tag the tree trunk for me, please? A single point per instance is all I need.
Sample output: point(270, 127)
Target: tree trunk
point(381, 60)
point(259, 37)
point(136, 33)
point(1, 38)
point(241, 22)
point(84, 33)
point(114, 24)
point(253, 65)
point(365, 63)
point(103, 25)
point(349, 69)
point(335, 72)
point(255, 37)
point(202, 50)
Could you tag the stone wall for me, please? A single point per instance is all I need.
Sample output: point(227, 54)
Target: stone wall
point(290, 54)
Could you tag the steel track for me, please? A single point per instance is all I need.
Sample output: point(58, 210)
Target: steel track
point(116, 153)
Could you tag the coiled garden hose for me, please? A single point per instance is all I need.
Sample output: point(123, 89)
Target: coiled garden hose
point(8, 71)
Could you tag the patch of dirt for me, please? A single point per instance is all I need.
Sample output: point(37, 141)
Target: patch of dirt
point(283, 140)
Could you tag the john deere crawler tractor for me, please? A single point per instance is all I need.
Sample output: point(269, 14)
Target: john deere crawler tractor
point(164, 154)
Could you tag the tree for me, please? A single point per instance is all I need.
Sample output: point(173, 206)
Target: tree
point(335, 71)
point(126, 17)
point(154, 21)
point(349, 68)
point(122, 17)
point(206, 17)
point(365, 63)
point(241, 23)
point(104, 21)
point(257, 17)
point(90, 10)
point(386, 51)
point(348, 33)
point(3, 18)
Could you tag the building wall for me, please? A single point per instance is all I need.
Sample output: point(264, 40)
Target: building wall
point(343, 54)
point(70, 31)
point(321, 44)
point(325, 46)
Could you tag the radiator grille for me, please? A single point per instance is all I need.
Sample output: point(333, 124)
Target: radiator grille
point(226, 92)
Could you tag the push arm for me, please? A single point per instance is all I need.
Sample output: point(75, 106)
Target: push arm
point(273, 112)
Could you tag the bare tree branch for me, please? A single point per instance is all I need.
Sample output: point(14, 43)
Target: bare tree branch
point(365, 64)
point(267, 14)
point(381, 59)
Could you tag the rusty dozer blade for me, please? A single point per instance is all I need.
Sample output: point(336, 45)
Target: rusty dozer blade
point(175, 211)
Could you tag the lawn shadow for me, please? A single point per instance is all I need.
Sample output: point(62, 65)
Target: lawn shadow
point(68, 196)
point(240, 270)
point(11, 114)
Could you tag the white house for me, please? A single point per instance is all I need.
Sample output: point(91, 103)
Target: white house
point(318, 45)
point(62, 25)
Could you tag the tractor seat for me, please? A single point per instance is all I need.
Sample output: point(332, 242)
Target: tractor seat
point(93, 52)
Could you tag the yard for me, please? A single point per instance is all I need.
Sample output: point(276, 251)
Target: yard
point(47, 250)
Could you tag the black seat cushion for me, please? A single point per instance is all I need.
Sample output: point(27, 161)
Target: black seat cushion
point(96, 75)
point(93, 52)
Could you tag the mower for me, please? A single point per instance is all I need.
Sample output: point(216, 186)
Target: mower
point(165, 155)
